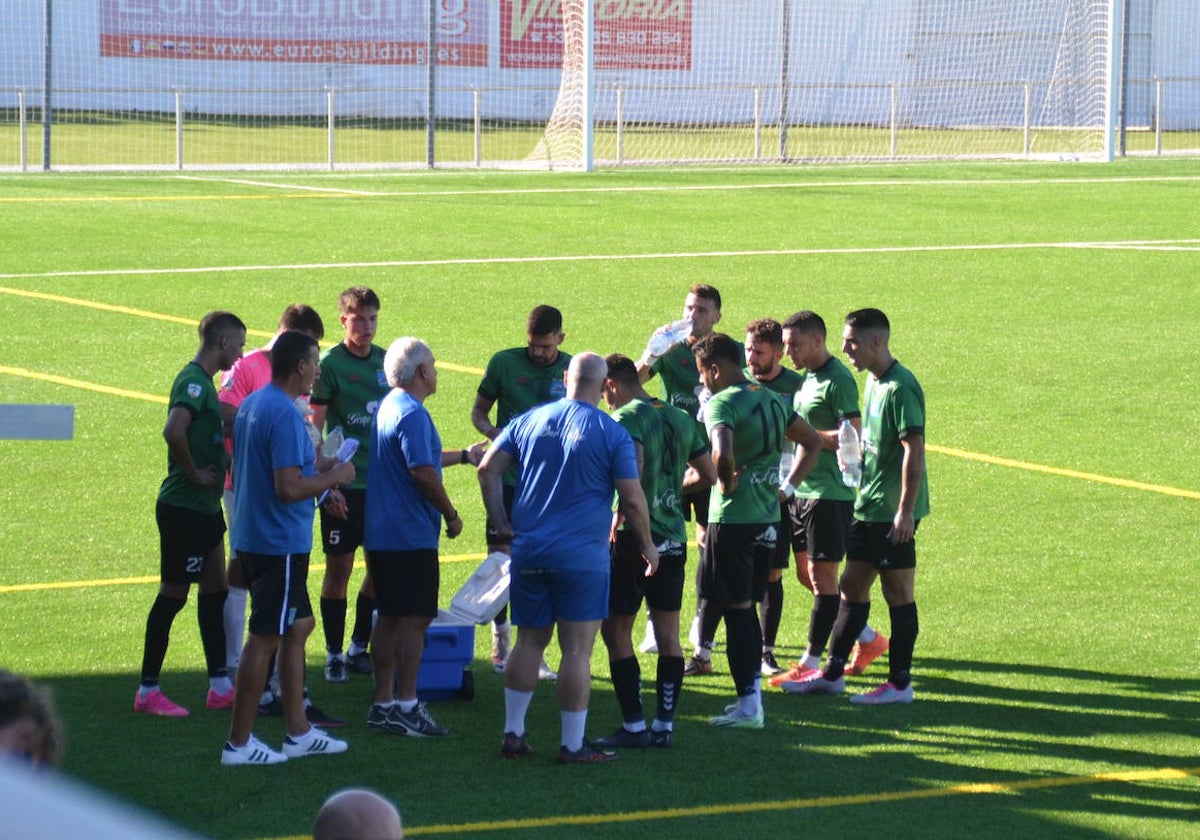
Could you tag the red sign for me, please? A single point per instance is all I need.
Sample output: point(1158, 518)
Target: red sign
point(630, 34)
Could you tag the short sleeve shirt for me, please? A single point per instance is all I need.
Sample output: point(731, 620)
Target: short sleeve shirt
point(399, 517)
point(893, 408)
point(828, 395)
point(194, 392)
point(247, 375)
point(570, 455)
point(351, 389)
point(515, 384)
point(758, 418)
point(270, 435)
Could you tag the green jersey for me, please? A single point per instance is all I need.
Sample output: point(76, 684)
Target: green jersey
point(828, 395)
point(893, 407)
point(194, 391)
point(351, 387)
point(758, 418)
point(515, 384)
point(681, 380)
point(669, 439)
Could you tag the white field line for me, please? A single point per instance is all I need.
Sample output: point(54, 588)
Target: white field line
point(1147, 244)
point(789, 185)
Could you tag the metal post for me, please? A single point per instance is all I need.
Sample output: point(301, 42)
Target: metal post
point(785, 49)
point(895, 118)
point(179, 130)
point(620, 124)
point(476, 95)
point(757, 123)
point(589, 92)
point(47, 52)
point(22, 116)
point(1122, 115)
point(1158, 115)
point(1028, 117)
point(430, 82)
point(330, 126)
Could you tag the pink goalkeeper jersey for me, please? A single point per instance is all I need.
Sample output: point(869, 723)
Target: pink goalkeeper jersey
point(248, 374)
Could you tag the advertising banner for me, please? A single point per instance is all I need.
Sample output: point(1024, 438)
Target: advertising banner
point(630, 34)
point(321, 31)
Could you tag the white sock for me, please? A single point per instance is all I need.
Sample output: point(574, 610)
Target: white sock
point(266, 697)
point(221, 685)
point(810, 661)
point(867, 635)
point(573, 726)
point(749, 705)
point(355, 649)
point(635, 726)
point(662, 726)
point(516, 704)
point(407, 706)
point(234, 618)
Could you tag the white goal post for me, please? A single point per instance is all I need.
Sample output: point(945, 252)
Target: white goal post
point(570, 84)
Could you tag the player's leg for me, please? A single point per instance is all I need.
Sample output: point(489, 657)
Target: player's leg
point(181, 555)
point(210, 605)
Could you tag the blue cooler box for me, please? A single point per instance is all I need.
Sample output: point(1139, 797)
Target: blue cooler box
point(449, 649)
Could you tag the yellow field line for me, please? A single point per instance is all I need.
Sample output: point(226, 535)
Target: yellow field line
point(1130, 776)
point(1085, 476)
point(79, 383)
point(145, 579)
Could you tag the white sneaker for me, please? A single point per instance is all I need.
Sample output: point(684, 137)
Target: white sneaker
point(814, 683)
point(253, 751)
point(545, 672)
point(694, 632)
point(649, 643)
point(735, 718)
point(315, 742)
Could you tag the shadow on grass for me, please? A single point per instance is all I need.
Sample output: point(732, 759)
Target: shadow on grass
point(1040, 733)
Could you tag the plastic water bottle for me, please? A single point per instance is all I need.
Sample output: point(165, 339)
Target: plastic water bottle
point(849, 454)
point(666, 337)
point(333, 443)
point(703, 395)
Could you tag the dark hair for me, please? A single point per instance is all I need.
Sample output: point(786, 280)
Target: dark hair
point(357, 297)
point(806, 321)
point(301, 316)
point(868, 319)
point(707, 292)
point(216, 325)
point(718, 347)
point(289, 349)
point(766, 330)
point(622, 370)
point(20, 699)
point(543, 320)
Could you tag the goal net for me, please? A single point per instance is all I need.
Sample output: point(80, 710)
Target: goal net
point(180, 84)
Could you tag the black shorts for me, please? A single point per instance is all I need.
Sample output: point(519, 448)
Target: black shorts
point(868, 542)
point(736, 561)
point(185, 539)
point(663, 591)
point(784, 540)
point(509, 493)
point(695, 506)
point(344, 536)
point(406, 582)
point(278, 585)
point(825, 524)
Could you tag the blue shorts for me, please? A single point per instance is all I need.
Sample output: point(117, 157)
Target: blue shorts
point(539, 597)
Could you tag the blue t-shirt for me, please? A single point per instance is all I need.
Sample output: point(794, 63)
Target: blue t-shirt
point(398, 515)
point(570, 454)
point(269, 434)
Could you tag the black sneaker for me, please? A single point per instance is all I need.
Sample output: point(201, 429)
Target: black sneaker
point(335, 670)
point(587, 754)
point(660, 740)
point(624, 739)
point(769, 666)
point(513, 745)
point(359, 663)
point(418, 722)
point(377, 717)
point(272, 708)
point(318, 718)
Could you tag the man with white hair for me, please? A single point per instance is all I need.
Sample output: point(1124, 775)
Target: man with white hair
point(572, 457)
point(406, 502)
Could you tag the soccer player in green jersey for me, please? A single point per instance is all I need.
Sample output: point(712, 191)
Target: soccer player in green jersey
point(673, 459)
point(764, 354)
point(347, 393)
point(747, 425)
point(190, 525)
point(892, 499)
point(820, 507)
point(515, 381)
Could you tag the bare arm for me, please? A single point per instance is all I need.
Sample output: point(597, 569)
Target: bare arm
point(722, 458)
point(701, 473)
point(632, 505)
point(430, 486)
point(291, 486)
point(912, 468)
point(479, 417)
point(810, 443)
point(491, 483)
point(175, 434)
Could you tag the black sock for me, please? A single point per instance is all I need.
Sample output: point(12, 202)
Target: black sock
point(670, 678)
point(710, 620)
point(743, 644)
point(820, 625)
point(771, 612)
point(158, 635)
point(333, 619)
point(852, 618)
point(627, 685)
point(904, 638)
point(209, 609)
point(364, 606)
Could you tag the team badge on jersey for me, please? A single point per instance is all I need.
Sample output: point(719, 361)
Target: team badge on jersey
point(193, 390)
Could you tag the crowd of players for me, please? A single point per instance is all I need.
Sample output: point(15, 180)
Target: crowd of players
point(739, 445)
